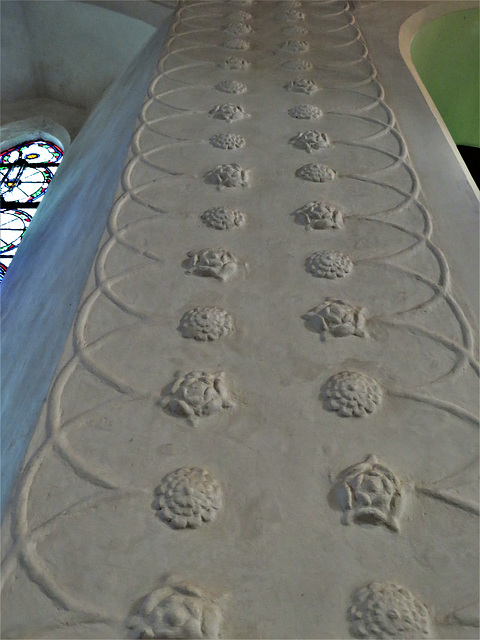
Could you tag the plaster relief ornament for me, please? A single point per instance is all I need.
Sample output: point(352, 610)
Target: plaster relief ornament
point(212, 263)
point(227, 141)
point(177, 610)
point(302, 85)
point(188, 498)
point(231, 86)
point(316, 173)
point(297, 65)
point(329, 264)
point(310, 141)
point(386, 610)
point(228, 112)
point(223, 218)
point(291, 15)
point(228, 175)
point(206, 323)
point(337, 318)
point(368, 492)
point(237, 44)
point(295, 46)
point(319, 216)
point(198, 394)
point(352, 394)
point(235, 64)
point(305, 112)
point(238, 29)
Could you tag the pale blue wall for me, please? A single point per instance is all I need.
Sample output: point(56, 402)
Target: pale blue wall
point(42, 289)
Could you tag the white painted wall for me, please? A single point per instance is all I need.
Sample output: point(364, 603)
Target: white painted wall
point(58, 58)
point(42, 287)
point(17, 77)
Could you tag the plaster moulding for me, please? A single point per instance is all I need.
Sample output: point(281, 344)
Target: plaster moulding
point(223, 218)
point(228, 175)
point(388, 610)
point(338, 319)
point(188, 497)
point(319, 215)
point(352, 394)
point(178, 609)
point(219, 263)
point(369, 492)
point(234, 64)
point(198, 394)
point(228, 141)
point(329, 264)
point(206, 324)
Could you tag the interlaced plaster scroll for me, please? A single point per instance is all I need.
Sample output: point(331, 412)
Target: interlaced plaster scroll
point(122, 494)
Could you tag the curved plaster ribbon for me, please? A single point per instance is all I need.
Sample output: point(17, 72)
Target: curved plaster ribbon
point(23, 542)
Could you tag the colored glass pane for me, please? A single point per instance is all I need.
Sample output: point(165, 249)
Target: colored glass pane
point(26, 171)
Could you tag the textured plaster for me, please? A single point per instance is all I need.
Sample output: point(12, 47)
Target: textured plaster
point(59, 58)
point(41, 290)
point(263, 423)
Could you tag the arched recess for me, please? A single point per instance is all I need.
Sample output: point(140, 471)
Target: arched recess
point(406, 35)
point(18, 134)
point(33, 129)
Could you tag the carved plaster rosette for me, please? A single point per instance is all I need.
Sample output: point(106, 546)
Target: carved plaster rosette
point(198, 394)
point(329, 264)
point(302, 85)
point(228, 112)
point(237, 44)
point(369, 492)
point(294, 30)
point(229, 141)
point(212, 263)
point(310, 141)
point(223, 218)
point(305, 112)
point(319, 216)
point(352, 394)
point(297, 65)
point(295, 46)
point(316, 173)
point(231, 86)
point(235, 64)
point(188, 498)
point(177, 610)
point(206, 324)
point(337, 318)
point(238, 29)
point(387, 610)
point(228, 175)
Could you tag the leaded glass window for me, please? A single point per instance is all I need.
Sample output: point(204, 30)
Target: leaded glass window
point(26, 170)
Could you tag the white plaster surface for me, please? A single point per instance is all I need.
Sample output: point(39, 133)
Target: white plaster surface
point(59, 57)
point(272, 424)
point(39, 298)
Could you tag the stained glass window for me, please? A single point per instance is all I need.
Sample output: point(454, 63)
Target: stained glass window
point(26, 170)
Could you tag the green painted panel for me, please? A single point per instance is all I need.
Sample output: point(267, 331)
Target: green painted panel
point(446, 55)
